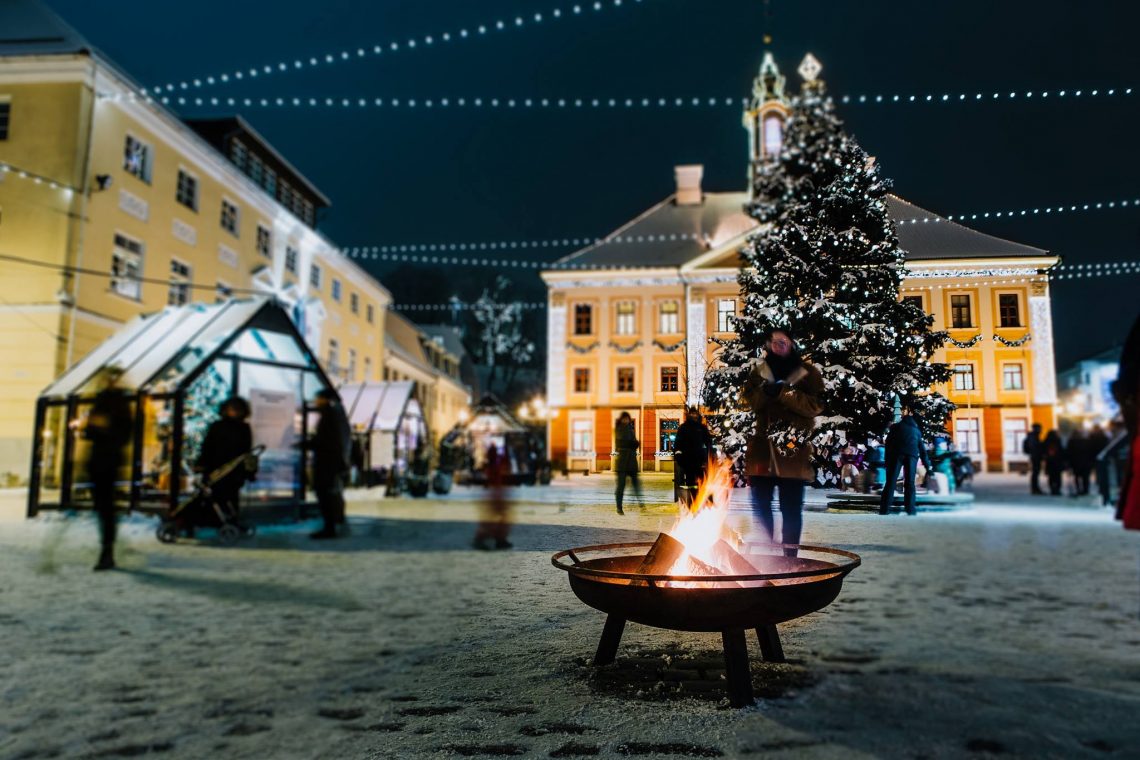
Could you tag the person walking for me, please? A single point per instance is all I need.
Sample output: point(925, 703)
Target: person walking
point(904, 450)
point(783, 392)
point(625, 464)
point(496, 522)
point(1053, 455)
point(693, 449)
point(228, 438)
point(331, 445)
point(108, 429)
point(1033, 448)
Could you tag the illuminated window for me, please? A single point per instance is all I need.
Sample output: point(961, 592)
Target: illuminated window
point(725, 314)
point(1012, 378)
point(136, 158)
point(180, 276)
point(126, 266)
point(670, 379)
point(668, 322)
point(773, 135)
point(582, 436)
point(963, 377)
point(1013, 433)
point(968, 435)
point(626, 318)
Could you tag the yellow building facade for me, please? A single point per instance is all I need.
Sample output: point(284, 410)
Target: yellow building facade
point(632, 319)
point(111, 206)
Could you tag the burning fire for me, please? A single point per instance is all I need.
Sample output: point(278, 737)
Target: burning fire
point(700, 527)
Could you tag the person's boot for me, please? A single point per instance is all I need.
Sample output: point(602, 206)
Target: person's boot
point(502, 543)
point(106, 561)
point(324, 533)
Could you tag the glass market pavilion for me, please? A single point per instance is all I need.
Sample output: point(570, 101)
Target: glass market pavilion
point(178, 365)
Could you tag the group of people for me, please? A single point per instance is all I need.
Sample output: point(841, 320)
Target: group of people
point(1078, 455)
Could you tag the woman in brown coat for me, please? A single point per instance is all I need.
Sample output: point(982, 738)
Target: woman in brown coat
point(783, 392)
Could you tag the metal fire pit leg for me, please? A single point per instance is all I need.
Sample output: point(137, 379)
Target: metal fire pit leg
point(736, 666)
point(770, 643)
point(611, 637)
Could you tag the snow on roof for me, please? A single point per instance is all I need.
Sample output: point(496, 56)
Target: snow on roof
point(378, 406)
point(669, 235)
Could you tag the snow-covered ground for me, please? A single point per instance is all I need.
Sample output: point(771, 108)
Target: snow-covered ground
point(1008, 628)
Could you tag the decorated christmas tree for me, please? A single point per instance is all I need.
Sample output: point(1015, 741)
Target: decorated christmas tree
point(828, 267)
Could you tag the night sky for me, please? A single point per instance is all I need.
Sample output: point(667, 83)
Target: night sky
point(466, 175)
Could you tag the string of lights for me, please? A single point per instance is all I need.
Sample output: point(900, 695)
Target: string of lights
point(560, 103)
point(10, 170)
point(975, 97)
point(530, 19)
point(525, 305)
point(406, 252)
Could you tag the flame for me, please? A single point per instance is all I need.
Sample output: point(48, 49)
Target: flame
point(701, 525)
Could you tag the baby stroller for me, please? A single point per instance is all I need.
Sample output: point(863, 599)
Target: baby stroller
point(203, 510)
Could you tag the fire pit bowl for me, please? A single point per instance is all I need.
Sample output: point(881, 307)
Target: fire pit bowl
point(789, 587)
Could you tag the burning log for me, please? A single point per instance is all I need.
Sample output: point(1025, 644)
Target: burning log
point(664, 553)
point(735, 563)
point(668, 556)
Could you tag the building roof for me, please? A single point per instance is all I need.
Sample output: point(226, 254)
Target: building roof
point(28, 27)
point(447, 337)
point(379, 406)
point(217, 130)
point(670, 236)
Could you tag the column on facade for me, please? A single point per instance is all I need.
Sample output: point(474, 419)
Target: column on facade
point(696, 338)
point(1041, 328)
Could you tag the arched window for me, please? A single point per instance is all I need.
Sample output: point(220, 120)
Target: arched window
point(773, 135)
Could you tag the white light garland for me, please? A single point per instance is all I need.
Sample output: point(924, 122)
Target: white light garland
point(460, 306)
point(1037, 211)
point(978, 97)
point(527, 20)
point(479, 101)
point(8, 170)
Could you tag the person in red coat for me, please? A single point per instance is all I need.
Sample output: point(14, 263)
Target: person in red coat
point(1126, 389)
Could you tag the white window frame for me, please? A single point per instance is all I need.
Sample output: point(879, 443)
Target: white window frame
point(574, 379)
point(968, 435)
point(1020, 310)
point(957, 382)
point(129, 264)
point(661, 378)
point(669, 322)
point(181, 276)
point(625, 318)
point(970, 308)
point(141, 148)
point(1006, 375)
point(1013, 432)
point(725, 318)
point(334, 355)
point(581, 436)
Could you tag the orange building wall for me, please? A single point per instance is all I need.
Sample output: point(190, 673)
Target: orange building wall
point(648, 439)
point(604, 432)
point(559, 437)
point(991, 422)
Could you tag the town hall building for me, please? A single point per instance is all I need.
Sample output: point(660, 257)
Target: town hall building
point(631, 317)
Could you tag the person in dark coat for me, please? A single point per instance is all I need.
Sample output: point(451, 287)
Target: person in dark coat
point(1081, 458)
point(625, 465)
point(108, 429)
point(1098, 442)
point(1126, 391)
point(784, 393)
point(694, 447)
point(904, 450)
point(1053, 454)
point(228, 438)
point(1034, 449)
point(331, 445)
